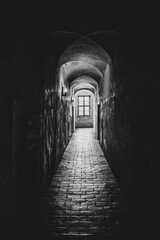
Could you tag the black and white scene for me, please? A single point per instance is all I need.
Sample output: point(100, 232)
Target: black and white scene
point(79, 120)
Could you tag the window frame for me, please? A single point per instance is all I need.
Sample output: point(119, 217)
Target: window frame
point(84, 106)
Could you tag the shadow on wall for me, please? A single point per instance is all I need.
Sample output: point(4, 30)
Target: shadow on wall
point(129, 131)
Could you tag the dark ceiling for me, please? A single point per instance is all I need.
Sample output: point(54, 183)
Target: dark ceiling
point(81, 16)
point(38, 18)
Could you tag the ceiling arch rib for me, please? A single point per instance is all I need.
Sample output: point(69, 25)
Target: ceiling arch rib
point(75, 69)
point(84, 48)
point(84, 89)
point(83, 86)
point(86, 80)
point(85, 83)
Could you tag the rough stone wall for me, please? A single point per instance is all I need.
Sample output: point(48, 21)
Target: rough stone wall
point(130, 128)
point(34, 132)
point(55, 122)
point(26, 164)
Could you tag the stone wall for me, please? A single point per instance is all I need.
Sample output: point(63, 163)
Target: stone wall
point(54, 121)
point(34, 131)
point(130, 128)
point(26, 164)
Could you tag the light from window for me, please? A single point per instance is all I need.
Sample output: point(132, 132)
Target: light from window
point(83, 105)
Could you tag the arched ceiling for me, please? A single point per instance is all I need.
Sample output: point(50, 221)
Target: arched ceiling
point(75, 69)
point(84, 57)
point(106, 39)
point(83, 86)
point(84, 47)
point(84, 79)
point(85, 83)
point(60, 40)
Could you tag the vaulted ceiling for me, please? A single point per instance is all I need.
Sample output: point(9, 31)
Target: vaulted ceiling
point(84, 58)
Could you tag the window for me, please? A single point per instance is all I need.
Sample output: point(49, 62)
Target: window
point(83, 105)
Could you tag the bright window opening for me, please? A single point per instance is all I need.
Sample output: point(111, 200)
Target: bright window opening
point(83, 105)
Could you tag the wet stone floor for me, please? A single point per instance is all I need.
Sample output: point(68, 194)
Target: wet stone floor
point(83, 200)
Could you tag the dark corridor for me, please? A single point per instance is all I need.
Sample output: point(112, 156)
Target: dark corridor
point(83, 199)
point(49, 53)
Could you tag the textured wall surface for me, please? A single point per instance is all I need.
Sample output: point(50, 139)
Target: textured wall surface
point(129, 129)
point(54, 121)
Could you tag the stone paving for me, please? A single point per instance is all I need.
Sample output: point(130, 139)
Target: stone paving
point(84, 200)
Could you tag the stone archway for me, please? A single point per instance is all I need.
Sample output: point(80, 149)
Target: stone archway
point(85, 62)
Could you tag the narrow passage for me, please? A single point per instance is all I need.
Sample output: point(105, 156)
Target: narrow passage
point(84, 200)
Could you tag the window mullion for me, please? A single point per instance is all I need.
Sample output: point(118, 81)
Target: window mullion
point(83, 105)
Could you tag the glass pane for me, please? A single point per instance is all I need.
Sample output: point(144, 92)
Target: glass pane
point(87, 100)
point(80, 112)
point(86, 110)
point(80, 101)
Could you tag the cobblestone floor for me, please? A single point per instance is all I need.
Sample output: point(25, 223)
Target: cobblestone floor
point(84, 200)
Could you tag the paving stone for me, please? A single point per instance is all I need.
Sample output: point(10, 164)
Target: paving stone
point(83, 198)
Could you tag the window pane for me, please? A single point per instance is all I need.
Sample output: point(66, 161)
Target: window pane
point(80, 101)
point(87, 100)
point(80, 112)
point(86, 110)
